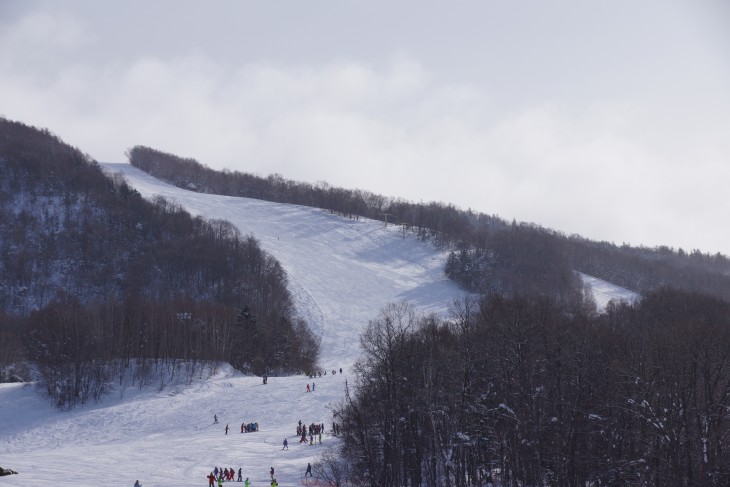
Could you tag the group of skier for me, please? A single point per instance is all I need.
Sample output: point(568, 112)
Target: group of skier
point(245, 428)
point(319, 373)
point(313, 430)
point(221, 475)
point(249, 428)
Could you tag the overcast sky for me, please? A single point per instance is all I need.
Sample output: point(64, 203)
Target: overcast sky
point(610, 119)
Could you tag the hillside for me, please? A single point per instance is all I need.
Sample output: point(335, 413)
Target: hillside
point(93, 276)
point(531, 373)
point(341, 272)
point(488, 254)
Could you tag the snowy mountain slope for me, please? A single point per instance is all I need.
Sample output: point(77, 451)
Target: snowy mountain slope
point(341, 273)
point(603, 291)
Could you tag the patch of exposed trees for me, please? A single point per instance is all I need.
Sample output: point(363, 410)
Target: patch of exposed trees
point(488, 254)
point(92, 274)
point(521, 259)
point(529, 391)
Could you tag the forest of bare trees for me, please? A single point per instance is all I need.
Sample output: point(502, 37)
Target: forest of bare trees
point(527, 391)
point(94, 278)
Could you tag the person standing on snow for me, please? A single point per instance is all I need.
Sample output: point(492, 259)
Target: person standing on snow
point(226, 429)
point(247, 483)
point(239, 474)
point(137, 484)
point(272, 473)
point(286, 445)
point(309, 470)
point(215, 419)
point(211, 480)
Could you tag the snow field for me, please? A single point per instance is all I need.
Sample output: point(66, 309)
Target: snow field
point(166, 438)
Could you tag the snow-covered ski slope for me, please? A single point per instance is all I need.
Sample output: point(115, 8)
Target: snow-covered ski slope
point(166, 437)
point(341, 273)
point(603, 291)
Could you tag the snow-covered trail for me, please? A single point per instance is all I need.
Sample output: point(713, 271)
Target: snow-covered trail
point(341, 271)
point(167, 437)
point(603, 291)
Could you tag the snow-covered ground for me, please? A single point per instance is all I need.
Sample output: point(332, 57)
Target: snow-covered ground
point(166, 438)
point(603, 291)
point(341, 272)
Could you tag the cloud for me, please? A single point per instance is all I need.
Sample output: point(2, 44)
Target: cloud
point(40, 39)
point(614, 169)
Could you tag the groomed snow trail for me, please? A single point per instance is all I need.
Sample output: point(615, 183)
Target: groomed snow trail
point(341, 271)
point(603, 291)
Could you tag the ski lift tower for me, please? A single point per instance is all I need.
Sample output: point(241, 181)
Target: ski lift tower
point(385, 216)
